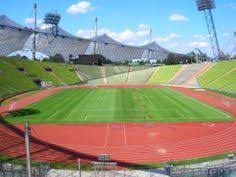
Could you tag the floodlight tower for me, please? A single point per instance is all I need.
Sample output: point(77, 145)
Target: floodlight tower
point(34, 37)
point(96, 35)
point(52, 20)
point(206, 6)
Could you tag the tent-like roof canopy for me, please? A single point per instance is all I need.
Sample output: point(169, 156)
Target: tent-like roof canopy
point(5, 21)
point(70, 44)
point(106, 40)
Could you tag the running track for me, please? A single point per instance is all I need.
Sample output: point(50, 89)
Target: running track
point(127, 143)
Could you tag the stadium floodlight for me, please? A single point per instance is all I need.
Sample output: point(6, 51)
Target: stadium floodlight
point(206, 6)
point(52, 20)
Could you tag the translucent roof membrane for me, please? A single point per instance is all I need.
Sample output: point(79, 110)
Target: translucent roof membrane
point(14, 37)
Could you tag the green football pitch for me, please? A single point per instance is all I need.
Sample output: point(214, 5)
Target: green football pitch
point(117, 105)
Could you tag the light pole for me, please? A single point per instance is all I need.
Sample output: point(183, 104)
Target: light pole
point(79, 166)
point(27, 145)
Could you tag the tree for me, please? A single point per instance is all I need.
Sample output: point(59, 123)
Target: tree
point(174, 58)
point(58, 58)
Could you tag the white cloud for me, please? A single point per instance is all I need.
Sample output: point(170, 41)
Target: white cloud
point(198, 44)
point(178, 17)
point(173, 45)
point(144, 27)
point(167, 38)
point(30, 20)
point(226, 35)
point(45, 26)
point(85, 33)
point(143, 30)
point(130, 37)
point(127, 36)
point(81, 7)
point(201, 37)
point(188, 46)
point(231, 5)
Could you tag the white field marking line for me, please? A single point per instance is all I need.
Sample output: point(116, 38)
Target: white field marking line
point(208, 124)
point(53, 115)
point(202, 103)
point(106, 138)
point(102, 110)
point(129, 117)
point(12, 107)
point(86, 117)
point(125, 135)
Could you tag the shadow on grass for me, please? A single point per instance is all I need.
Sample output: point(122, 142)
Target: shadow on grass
point(24, 112)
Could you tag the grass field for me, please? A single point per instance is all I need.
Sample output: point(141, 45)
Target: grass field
point(117, 105)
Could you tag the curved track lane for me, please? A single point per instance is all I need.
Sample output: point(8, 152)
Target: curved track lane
point(127, 143)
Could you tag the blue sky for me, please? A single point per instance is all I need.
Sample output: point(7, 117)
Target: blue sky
point(176, 24)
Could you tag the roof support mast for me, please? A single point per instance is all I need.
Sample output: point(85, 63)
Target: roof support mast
point(96, 35)
point(35, 26)
point(150, 41)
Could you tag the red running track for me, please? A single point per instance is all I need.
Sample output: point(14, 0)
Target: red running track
point(127, 143)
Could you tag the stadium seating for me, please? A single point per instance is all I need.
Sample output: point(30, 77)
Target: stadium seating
point(221, 76)
point(136, 75)
point(90, 72)
point(164, 74)
point(188, 72)
point(112, 70)
point(141, 76)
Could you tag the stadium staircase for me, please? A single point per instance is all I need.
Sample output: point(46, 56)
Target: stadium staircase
point(79, 74)
point(127, 76)
point(187, 76)
point(103, 73)
point(192, 81)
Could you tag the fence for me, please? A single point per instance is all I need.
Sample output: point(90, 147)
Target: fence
point(10, 170)
point(226, 169)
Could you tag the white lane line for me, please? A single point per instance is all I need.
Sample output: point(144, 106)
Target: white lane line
point(86, 117)
point(12, 107)
point(106, 138)
point(53, 115)
point(125, 135)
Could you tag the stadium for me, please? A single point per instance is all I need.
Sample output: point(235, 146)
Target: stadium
point(99, 107)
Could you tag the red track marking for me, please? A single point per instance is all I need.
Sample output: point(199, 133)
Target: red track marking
point(115, 136)
point(127, 143)
point(29, 100)
point(162, 143)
